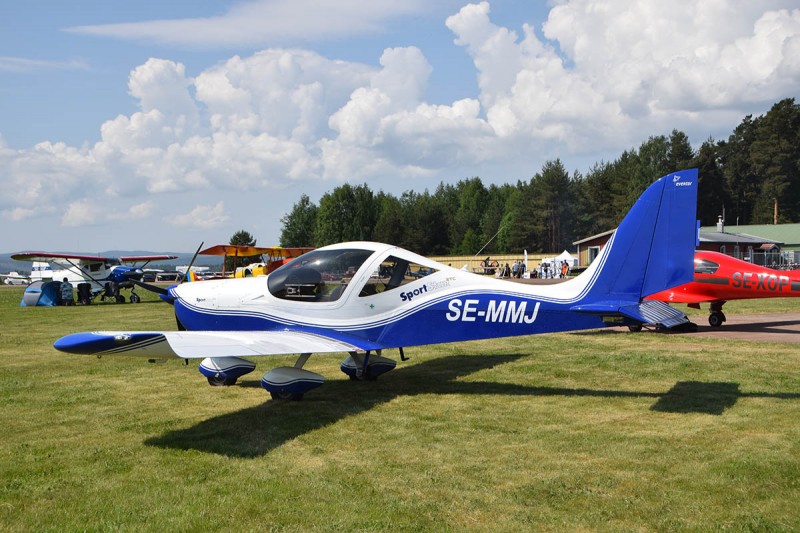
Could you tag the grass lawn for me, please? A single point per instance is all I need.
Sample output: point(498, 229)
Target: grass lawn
point(600, 430)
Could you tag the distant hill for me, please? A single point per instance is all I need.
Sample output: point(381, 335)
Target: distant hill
point(24, 267)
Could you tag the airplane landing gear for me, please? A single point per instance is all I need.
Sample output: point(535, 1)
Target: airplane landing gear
point(224, 371)
point(366, 367)
point(219, 381)
point(291, 382)
point(287, 396)
point(717, 317)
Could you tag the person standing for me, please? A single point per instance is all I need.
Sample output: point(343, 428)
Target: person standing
point(67, 296)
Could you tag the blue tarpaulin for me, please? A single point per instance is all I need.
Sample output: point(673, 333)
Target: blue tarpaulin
point(41, 293)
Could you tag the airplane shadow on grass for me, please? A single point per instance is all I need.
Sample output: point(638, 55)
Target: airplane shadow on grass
point(254, 431)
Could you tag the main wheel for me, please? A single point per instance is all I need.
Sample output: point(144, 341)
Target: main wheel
point(295, 397)
point(135, 299)
point(366, 375)
point(219, 381)
point(635, 328)
point(716, 319)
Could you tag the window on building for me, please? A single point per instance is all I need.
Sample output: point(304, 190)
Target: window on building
point(593, 252)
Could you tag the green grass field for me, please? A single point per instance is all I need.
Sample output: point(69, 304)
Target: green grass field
point(599, 430)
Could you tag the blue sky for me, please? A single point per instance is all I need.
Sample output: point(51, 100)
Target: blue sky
point(154, 125)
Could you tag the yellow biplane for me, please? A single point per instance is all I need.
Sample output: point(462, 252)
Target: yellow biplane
point(265, 259)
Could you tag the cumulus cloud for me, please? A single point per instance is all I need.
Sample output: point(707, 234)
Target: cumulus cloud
point(202, 216)
point(595, 76)
point(142, 210)
point(80, 213)
point(610, 68)
point(265, 23)
point(18, 214)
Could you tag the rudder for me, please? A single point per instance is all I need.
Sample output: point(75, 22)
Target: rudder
point(653, 247)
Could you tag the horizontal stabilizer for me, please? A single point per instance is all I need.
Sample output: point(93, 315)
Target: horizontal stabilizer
point(655, 313)
point(649, 312)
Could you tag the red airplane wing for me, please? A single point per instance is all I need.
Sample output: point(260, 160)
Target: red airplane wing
point(49, 256)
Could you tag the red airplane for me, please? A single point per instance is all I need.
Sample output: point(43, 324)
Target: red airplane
point(719, 278)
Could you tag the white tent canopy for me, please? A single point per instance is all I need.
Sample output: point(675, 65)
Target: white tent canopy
point(568, 257)
point(554, 264)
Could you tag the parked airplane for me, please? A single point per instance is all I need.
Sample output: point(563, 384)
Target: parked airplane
point(719, 278)
point(15, 278)
point(271, 257)
point(364, 298)
point(99, 272)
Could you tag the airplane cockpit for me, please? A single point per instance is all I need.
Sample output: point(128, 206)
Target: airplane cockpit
point(323, 275)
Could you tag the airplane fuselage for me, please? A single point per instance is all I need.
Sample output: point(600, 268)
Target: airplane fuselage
point(719, 277)
point(361, 298)
point(445, 306)
point(96, 274)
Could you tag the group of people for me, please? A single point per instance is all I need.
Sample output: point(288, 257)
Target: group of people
point(516, 270)
point(546, 270)
point(551, 270)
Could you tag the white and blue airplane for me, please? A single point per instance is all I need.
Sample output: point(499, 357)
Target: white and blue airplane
point(365, 298)
point(99, 272)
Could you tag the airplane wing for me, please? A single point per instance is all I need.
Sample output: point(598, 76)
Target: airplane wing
point(291, 252)
point(202, 344)
point(235, 250)
point(137, 258)
point(50, 256)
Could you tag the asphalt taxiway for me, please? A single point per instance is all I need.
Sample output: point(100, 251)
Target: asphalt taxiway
point(768, 327)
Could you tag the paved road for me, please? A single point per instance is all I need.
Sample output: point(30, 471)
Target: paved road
point(771, 327)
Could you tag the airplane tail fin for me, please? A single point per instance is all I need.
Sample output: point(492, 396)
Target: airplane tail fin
point(651, 250)
point(41, 270)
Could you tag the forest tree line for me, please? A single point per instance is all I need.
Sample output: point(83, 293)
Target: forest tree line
point(757, 165)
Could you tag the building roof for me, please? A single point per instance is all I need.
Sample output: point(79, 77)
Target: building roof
point(788, 234)
point(604, 234)
point(733, 238)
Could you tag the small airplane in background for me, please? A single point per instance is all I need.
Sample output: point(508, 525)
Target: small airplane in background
point(271, 257)
point(719, 278)
point(104, 275)
point(365, 298)
point(15, 278)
